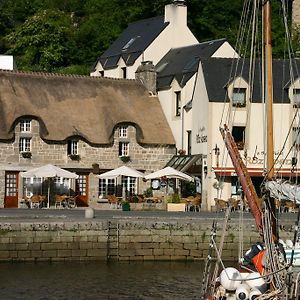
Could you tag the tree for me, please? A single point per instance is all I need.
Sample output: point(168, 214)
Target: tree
point(44, 41)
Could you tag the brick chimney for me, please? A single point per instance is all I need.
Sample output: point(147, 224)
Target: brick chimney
point(147, 75)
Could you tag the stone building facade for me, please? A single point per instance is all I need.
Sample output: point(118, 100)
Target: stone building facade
point(27, 141)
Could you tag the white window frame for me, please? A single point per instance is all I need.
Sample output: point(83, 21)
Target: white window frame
point(130, 184)
point(239, 97)
point(24, 144)
point(25, 125)
point(72, 147)
point(123, 131)
point(107, 186)
point(123, 149)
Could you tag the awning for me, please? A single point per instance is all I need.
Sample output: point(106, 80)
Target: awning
point(255, 172)
point(184, 162)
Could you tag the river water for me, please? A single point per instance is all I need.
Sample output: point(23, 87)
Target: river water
point(100, 280)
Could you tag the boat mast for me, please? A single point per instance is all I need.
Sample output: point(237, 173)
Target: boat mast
point(268, 93)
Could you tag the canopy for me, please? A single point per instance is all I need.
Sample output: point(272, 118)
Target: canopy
point(169, 172)
point(284, 190)
point(121, 171)
point(48, 171)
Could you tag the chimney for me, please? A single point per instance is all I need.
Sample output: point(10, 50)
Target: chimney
point(147, 75)
point(296, 13)
point(176, 13)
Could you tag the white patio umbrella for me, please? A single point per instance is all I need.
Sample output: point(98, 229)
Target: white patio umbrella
point(169, 172)
point(121, 171)
point(48, 171)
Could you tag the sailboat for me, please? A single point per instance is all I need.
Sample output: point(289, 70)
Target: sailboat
point(266, 270)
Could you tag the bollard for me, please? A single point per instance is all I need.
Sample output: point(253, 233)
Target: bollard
point(89, 213)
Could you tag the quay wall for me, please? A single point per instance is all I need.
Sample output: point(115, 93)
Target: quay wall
point(120, 240)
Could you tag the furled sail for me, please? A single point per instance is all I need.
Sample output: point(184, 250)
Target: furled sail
point(283, 190)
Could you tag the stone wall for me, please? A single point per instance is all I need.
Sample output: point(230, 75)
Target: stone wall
point(142, 157)
point(296, 13)
point(123, 240)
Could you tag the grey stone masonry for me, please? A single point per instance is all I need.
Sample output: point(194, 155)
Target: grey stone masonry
point(90, 159)
point(123, 240)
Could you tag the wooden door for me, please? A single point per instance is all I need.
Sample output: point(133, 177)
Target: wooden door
point(11, 189)
point(82, 189)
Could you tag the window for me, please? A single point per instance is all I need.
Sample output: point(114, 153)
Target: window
point(72, 147)
point(25, 125)
point(177, 103)
point(123, 132)
point(25, 144)
point(296, 94)
point(101, 73)
point(107, 187)
point(130, 185)
point(123, 149)
point(189, 142)
point(239, 97)
point(130, 42)
point(296, 137)
point(124, 72)
point(238, 134)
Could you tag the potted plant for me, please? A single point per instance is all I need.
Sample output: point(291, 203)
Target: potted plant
point(74, 156)
point(125, 159)
point(175, 204)
point(125, 206)
point(27, 154)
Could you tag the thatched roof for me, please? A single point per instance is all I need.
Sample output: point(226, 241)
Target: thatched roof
point(89, 107)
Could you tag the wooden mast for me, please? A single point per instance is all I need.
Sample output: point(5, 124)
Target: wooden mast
point(268, 93)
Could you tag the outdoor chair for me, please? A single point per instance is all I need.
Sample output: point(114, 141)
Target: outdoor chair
point(220, 204)
point(235, 203)
point(113, 201)
point(60, 201)
point(36, 201)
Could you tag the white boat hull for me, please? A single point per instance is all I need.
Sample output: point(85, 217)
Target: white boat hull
point(296, 258)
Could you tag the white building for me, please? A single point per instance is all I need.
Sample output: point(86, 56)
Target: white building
point(145, 40)
point(216, 91)
point(7, 62)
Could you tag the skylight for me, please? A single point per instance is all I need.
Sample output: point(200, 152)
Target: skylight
point(130, 42)
point(161, 67)
point(191, 64)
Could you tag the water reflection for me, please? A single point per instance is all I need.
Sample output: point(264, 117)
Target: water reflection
point(99, 280)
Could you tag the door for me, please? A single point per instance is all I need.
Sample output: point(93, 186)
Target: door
point(11, 189)
point(82, 183)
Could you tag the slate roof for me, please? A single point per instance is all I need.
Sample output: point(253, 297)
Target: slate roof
point(182, 63)
point(84, 106)
point(132, 42)
point(217, 76)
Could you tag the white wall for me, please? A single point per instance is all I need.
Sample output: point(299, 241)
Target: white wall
point(6, 62)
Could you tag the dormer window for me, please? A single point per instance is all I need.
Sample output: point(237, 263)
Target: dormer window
point(123, 132)
point(72, 147)
point(239, 97)
point(296, 96)
point(124, 72)
point(24, 145)
point(25, 125)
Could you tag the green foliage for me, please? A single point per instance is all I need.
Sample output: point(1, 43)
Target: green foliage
point(148, 192)
point(67, 36)
point(174, 198)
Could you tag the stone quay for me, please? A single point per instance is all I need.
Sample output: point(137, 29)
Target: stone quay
point(122, 237)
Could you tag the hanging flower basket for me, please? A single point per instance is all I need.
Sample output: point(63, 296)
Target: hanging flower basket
point(125, 159)
point(181, 152)
point(26, 154)
point(74, 156)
